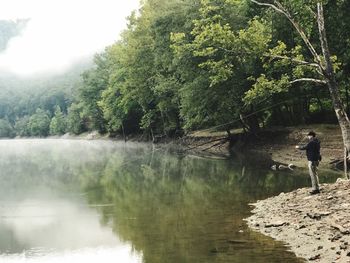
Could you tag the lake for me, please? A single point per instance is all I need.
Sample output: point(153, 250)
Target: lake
point(104, 201)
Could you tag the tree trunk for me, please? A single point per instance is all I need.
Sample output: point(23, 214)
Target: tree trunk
point(332, 84)
point(343, 120)
point(124, 136)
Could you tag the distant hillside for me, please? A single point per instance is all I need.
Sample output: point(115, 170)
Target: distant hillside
point(65, 81)
point(10, 29)
point(38, 106)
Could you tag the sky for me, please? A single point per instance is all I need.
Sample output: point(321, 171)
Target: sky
point(60, 32)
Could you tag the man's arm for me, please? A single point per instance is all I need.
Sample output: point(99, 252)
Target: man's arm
point(303, 147)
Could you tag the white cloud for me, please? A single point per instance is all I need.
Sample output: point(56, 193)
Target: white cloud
point(60, 32)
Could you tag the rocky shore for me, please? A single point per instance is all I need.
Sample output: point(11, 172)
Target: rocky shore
point(315, 227)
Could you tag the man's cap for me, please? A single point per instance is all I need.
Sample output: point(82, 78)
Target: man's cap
point(311, 133)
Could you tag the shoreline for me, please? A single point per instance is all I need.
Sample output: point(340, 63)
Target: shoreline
point(273, 145)
point(314, 227)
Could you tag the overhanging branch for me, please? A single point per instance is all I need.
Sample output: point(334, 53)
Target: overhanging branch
point(318, 81)
point(298, 61)
point(278, 7)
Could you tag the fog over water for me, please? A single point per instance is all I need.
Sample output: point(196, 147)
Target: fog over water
point(102, 201)
point(44, 217)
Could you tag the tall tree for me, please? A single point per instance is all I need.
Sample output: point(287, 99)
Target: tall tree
point(321, 60)
point(58, 122)
point(225, 46)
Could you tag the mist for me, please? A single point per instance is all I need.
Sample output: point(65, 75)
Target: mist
point(59, 33)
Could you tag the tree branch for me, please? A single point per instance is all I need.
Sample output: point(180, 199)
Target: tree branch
point(301, 62)
point(318, 81)
point(280, 9)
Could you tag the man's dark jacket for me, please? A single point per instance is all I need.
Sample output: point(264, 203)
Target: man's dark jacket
point(312, 150)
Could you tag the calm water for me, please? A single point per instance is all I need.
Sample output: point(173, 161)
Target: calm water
point(99, 201)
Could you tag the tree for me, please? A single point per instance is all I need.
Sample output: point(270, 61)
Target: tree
point(224, 47)
point(22, 126)
point(39, 123)
point(142, 81)
point(75, 122)
point(58, 123)
point(6, 130)
point(322, 64)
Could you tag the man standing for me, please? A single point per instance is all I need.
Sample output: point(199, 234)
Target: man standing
point(313, 156)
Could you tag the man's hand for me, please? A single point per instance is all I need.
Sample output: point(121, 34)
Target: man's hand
point(297, 147)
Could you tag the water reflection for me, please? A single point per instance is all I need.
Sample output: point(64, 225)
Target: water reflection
point(84, 201)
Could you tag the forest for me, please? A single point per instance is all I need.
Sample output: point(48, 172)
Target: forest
point(185, 65)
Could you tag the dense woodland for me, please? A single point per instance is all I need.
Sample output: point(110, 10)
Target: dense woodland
point(184, 65)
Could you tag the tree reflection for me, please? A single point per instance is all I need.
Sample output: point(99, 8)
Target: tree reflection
point(170, 206)
point(177, 208)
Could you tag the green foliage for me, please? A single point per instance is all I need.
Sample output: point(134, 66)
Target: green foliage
point(224, 47)
point(186, 65)
point(20, 98)
point(6, 129)
point(199, 64)
point(22, 126)
point(39, 124)
point(58, 123)
point(75, 123)
point(264, 88)
point(135, 84)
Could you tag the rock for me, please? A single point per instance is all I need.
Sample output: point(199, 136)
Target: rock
point(343, 247)
point(316, 228)
point(346, 205)
point(340, 228)
point(308, 197)
point(318, 256)
point(336, 237)
point(276, 224)
point(300, 227)
point(318, 215)
point(339, 180)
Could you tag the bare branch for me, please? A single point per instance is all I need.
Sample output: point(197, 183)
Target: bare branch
point(314, 14)
point(298, 61)
point(269, 5)
point(280, 9)
point(318, 81)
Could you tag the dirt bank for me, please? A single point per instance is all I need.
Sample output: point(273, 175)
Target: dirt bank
point(280, 143)
point(316, 227)
point(276, 143)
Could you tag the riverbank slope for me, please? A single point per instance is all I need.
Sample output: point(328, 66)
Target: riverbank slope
point(315, 227)
point(276, 144)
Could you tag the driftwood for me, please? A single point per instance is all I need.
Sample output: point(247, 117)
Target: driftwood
point(280, 166)
point(339, 164)
point(222, 140)
point(215, 145)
